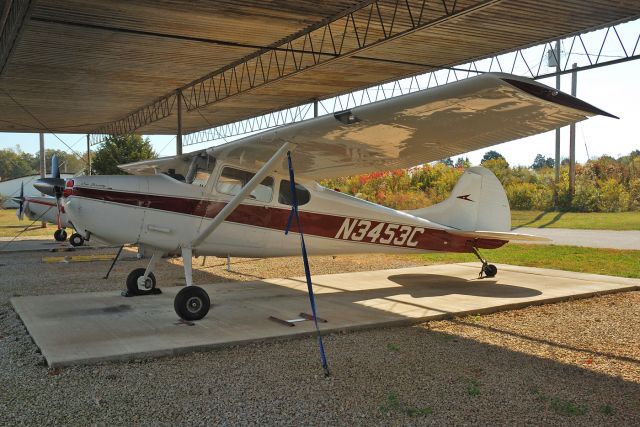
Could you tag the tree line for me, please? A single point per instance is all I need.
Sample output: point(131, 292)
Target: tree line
point(115, 150)
point(603, 184)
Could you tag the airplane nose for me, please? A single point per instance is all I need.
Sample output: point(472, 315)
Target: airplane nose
point(50, 186)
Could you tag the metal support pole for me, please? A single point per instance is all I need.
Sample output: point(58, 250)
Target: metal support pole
point(43, 168)
point(315, 108)
point(88, 155)
point(179, 135)
point(557, 160)
point(572, 137)
point(43, 162)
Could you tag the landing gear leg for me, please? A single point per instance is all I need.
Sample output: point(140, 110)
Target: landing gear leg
point(141, 281)
point(192, 302)
point(487, 270)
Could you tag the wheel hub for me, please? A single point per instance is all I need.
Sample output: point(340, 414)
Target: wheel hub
point(145, 284)
point(194, 304)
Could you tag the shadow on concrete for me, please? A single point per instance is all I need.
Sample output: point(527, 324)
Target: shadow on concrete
point(433, 285)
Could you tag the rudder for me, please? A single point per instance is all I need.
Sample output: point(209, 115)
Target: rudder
point(477, 203)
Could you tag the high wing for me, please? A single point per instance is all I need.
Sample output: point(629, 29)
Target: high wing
point(408, 130)
point(149, 167)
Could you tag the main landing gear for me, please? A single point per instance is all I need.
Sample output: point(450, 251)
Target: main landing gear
point(191, 303)
point(76, 240)
point(487, 270)
point(141, 281)
point(60, 235)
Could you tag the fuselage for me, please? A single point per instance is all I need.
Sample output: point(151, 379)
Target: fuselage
point(166, 212)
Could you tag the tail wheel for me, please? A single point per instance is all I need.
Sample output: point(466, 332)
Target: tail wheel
point(76, 239)
point(192, 303)
point(136, 285)
point(60, 235)
point(490, 270)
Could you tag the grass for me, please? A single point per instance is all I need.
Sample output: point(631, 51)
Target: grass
point(577, 220)
point(10, 225)
point(614, 262)
point(393, 347)
point(473, 387)
point(393, 404)
point(566, 407)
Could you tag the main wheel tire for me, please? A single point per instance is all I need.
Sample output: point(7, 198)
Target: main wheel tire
point(135, 285)
point(60, 235)
point(490, 270)
point(76, 239)
point(192, 303)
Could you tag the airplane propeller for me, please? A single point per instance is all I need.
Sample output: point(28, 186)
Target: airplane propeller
point(20, 201)
point(53, 186)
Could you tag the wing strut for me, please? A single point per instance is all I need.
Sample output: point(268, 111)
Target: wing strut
point(265, 170)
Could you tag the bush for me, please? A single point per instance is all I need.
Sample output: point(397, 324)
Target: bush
point(521, 196)
point(603, 184)
point(613, 196)
point(586, 197)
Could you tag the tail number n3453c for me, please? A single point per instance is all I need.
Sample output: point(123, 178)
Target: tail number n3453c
point(363, 230)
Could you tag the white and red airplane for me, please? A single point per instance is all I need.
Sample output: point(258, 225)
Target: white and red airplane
point(235, 199)
point(46, 208)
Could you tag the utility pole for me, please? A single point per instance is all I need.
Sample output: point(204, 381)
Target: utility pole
point(88, 155)
point(572, 136)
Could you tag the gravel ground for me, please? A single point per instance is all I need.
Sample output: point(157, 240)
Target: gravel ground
point(567, 363)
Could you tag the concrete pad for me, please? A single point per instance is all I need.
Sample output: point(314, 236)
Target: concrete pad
point(93, 327)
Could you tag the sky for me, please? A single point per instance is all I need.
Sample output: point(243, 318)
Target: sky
point(614, 88)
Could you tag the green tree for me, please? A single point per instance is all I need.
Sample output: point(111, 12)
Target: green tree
point(15, 163)
point(491, 155)
point(68, 162)
point(120, 149)
point(447, 161)
point(463, 163)
point(542, 162)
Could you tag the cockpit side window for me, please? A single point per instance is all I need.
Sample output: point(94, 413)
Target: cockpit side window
point(200, 170)
point(284, 195)
point(232, 180)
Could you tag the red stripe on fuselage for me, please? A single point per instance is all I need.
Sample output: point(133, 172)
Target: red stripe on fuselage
point(316, 224)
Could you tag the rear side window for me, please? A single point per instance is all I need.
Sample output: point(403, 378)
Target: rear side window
point(232, 180)
point(284, 196)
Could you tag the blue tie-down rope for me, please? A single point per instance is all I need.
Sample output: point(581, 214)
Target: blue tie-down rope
point(305, 260)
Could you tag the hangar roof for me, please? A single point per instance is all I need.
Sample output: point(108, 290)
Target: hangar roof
point(77, 65)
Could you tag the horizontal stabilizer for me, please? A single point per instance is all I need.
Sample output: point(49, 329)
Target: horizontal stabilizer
point(502, 235)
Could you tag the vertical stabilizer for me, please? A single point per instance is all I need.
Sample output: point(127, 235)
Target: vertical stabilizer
point(477, 203)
